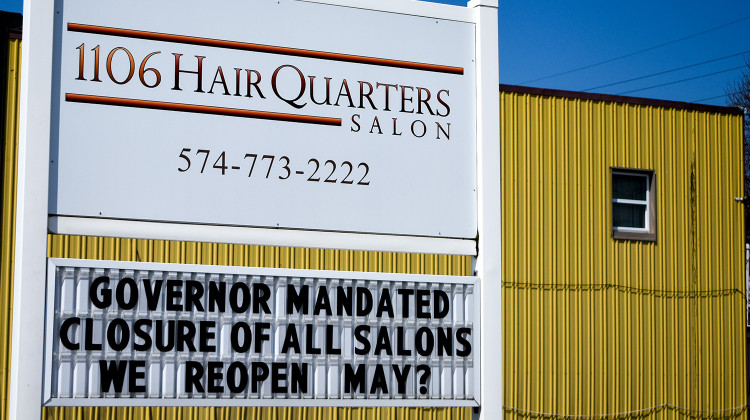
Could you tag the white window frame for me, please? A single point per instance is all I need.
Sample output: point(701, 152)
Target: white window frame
point(647, 233)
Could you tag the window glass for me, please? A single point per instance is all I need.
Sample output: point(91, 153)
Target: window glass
point(629, 215)
point(629, 187)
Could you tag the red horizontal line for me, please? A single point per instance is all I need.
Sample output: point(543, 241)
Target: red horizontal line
point(270, 49)
point(201, 109)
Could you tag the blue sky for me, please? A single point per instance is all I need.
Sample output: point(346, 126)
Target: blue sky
point(543, 38)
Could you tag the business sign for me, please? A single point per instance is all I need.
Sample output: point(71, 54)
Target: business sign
point(125, 333)
point(274, 114)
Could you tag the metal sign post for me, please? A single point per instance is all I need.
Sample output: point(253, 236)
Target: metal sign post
point(35, 125)
point(488, 264)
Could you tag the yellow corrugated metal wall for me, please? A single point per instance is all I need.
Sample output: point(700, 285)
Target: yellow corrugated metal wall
point(10, 146)
point(65, 246)
point(196, 253)
point(602, 328)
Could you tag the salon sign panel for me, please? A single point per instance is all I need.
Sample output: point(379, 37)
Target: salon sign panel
point(126, 333)
point(272, 114)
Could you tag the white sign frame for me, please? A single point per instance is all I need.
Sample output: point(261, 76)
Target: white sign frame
point(53, 263)
point(32, 224)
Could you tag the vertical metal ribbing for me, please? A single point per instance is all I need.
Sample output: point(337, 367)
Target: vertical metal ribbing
point(598, 326)
point(11, 74)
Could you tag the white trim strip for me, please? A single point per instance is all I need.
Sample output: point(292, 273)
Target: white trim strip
point(266, 402)
point(629, 229)
point(414, 8)
point(629, 201)
point(259, 236)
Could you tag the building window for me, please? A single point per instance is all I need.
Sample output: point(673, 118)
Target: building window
point(633, 204)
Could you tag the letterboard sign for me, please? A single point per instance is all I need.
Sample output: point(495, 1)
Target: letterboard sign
point(125, 333)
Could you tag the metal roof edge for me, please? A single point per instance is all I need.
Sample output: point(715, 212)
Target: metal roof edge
point(619, 99)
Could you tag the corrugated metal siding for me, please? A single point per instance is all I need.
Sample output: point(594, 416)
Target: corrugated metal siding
point(10, 147)
point(119, 249)
point(599, 328)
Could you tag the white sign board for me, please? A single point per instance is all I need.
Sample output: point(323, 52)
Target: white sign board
point(124, 333)
point(276, 114)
